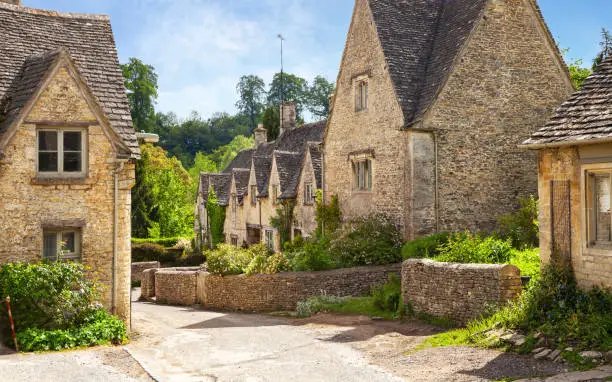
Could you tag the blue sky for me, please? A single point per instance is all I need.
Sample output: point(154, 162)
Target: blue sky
point(201, 47)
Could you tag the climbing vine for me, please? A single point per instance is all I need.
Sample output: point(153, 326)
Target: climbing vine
point(216, 219)
point(329, 217)
point(283, 221)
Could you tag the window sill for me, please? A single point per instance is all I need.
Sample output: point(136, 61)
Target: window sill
point(51, 181)
point(362, 193)
point(308, 204)
point(598, 250)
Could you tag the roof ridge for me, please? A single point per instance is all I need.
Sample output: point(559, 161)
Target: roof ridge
point(51, 13)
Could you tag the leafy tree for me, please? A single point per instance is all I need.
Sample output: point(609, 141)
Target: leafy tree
point(252, 92)
point(606, 47)
point(578, 73)
point(271, 122)
point(318, 97)
point(225, 154)
point(202, 163)
point(289, 87)
point(141, 83)
point(162, 204)
point(216, 217)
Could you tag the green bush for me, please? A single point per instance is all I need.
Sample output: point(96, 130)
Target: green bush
point(522, 227)
point(267, 264)
point(148, 252)
point(472, 248)
point(231, 260)
point(46, 295)
point(312, 256)
point(528, 261)
point(389, 295)
point(97, 328)
point(373, 240)
point(425, 247)
point(167, 242)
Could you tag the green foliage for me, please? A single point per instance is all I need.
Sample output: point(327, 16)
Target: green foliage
point(46, 295)
point(289, 88)
point(425, 247)
point(528, 261)
point(472, 248)
point(167, 242)
point(328, 217)
point(216, 218)
point(388, 296)
point(372, 240)
point(318, 97)
point(268, 264)
point(227, 259)
point(162, 204)
point(522, 227)
point(252, 92)
point(606, 48)
point(271, 122)
point(578, 73)
point(311, 255)
point(96, 328)
point(168, 257)
point(141, 83)
point(147, 252)
point(283, 221)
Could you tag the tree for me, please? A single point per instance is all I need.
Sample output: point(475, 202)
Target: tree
point(288, 87)
point(141, 84)
point(606, 47)
point(271, 122)
point(578, 73)
point(202, 163)
point(318, 97)
point(225, 154)
point(252, 92)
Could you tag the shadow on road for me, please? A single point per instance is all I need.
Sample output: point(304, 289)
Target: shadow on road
point(511, 366)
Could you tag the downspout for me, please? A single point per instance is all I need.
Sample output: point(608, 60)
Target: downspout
point(437, 195)
point(118, 169)
point(323, 184)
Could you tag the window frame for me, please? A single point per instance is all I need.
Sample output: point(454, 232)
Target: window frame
point(253, 194)
point(362, 94)
point(275, 193)
point(362, 170)
point(309, 194)
point(234, 201)
point(61, 173)
point(269, 239)
point(589, 233)
point(59, 232)
point(234, 240)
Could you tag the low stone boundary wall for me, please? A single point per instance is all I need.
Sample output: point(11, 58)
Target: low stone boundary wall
point(461, 292)
point(176, 286)
point(139, 268)
point(282, 291)
point(147, 284)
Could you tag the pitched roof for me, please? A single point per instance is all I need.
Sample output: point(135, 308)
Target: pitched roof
point(220, 184)
point(263, 165)
point(316, 157)
point(241, 177)
point(421, 40)
point(288, 165)
point(585, 116)
point(242, 160)
point(30, 40)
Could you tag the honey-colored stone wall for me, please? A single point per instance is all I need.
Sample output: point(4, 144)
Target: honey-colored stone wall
point(505, 87)
point(27, 203)
point(460, 292)
point(305, 214)
point(176, 287)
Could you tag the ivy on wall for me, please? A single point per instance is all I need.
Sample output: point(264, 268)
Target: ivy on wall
point(329, 217)
point(283, 221)
point(216, 219)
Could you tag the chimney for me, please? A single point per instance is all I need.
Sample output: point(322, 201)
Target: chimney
point(288, 119)
point(261, 136)
point(12, 2)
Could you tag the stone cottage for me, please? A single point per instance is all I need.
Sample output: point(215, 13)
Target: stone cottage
point(67, 146)
point(433, 99)
point(258, 180)
point(575, 172)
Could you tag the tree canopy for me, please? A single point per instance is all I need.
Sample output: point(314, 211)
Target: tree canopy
point(141, 84)
point(252, 92)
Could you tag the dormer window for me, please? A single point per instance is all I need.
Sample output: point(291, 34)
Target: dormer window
point(361, 95)
point(61, 152)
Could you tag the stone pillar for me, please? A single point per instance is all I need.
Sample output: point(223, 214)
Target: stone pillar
point(288, 116)
point(261, 136)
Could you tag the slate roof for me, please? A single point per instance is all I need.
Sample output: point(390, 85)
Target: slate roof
point(29, 39)
point(241, 175)
point(221, 185)
point(585, 116)
point(421, 40)
point(317, 163)
point(290, 148)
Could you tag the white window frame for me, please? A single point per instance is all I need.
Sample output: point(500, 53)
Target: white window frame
point(309, 194)
point(71, 256)
point(362, 174)
point(60, 173)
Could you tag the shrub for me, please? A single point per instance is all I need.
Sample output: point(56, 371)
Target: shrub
point(472, 248)
point(167, 242)
point(522, 227)
point(46, 295)
point(328, 216)
point(312, 256)
point(147, 252)
point(528, 261)
point(425, 247)
point(98, 328)
point(316, 304)
point(373, 240)
point(267, 264)
point(228, 260)
point(389, 295)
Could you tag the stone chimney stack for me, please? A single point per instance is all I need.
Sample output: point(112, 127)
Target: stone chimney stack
point(288, 116)
point(261, 136)
point(12, 2)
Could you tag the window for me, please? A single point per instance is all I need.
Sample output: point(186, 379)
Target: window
point(234, 240)
point(234, 209)
point(309, 194)
point(253, 194)
point(270, 239)
point(598, 207)
point(65, 243)
point(61, 152)
point(362, 175)
point(361, 95)
point(275, 192)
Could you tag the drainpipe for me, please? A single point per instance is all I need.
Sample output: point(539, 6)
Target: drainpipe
point(323, 184)
point(437, 195)
point(120, 164)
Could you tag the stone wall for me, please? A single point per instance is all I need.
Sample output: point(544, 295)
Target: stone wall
point(282, 291)
point(29, 204)
point(147, 284)
point(460, 292)
point(139, 268)
point(176, 286)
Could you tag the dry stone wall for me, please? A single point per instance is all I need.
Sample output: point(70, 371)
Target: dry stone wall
point(139, 268)
point(147, 284)
point(176, 286)
point(460, 292)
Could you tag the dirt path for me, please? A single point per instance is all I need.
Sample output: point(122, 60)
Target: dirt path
point(188, 344)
